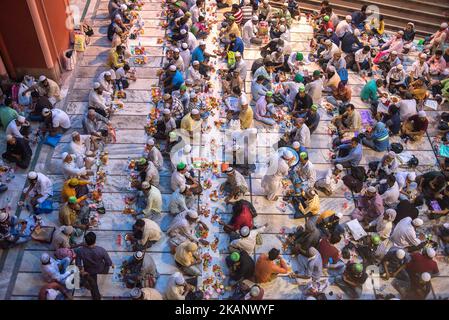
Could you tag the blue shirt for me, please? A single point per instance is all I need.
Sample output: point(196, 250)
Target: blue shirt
point(238, 45)
point(354, 157)
point(177, 80)
point(198, 55)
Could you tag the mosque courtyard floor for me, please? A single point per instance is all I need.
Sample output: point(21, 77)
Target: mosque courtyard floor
point(20, 276)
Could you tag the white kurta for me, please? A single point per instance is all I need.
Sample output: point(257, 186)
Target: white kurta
point(271, 183)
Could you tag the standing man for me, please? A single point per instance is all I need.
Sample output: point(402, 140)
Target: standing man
point(91, 261)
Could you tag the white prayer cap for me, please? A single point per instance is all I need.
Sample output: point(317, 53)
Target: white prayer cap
point(196, 62)
point(339, 215)
point(348, 17)
point(150, 142)
point(192, 214)
point(202, 43)
point(166, 111)
point(330, 30)
point(189, 82)
point(422, 114)
point(255, 291)
point(371, 189)
point(244, 231)
point(417, 222)
point(400, 254)
point(64, 155)
point(176, 50)
point(423, 55)
point(430, 252)
point(238, 54)
point(282, 28)
point(391, 154)
point(401, 32)
point(75, 134)
point(356, 32)
point(411, 176)
point(391, 213)
point(184, 45)
point(138, 255)
point(192, 95)
point(285, 4)
point(446, 225)
point(425, 276)
point(118, 17)
point(108, 74)
point(52, 294)
point(68, 230)
point(255, 18)
point(32, 175)
point(9, 137)
point(124, 7)
point(187, 148)
point(146, 185)
point(97, 85)
point(179, 279)
point(136, 293)
point(266, 1)
point(195, 112)
point(287, 154)
point(443, 25)
point(331, 69)
point(45, 258)
point(42, 78)
point(183, 31)
point(172, 67)
point(400, 67)
point(339, 166)
point(296, 145)
point(328, 42)
point(3, 216)
point(21, 119)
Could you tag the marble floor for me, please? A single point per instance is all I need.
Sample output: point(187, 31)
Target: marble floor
point(20, 275)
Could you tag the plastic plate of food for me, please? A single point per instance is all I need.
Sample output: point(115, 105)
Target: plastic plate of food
point(295, 154)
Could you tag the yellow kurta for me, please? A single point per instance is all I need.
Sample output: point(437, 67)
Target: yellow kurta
point(188, 124)
point(246, 118)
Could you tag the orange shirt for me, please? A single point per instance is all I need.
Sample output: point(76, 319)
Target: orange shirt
point(68, 191)
point(266, 269)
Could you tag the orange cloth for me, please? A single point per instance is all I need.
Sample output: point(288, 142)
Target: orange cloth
point(68, 191)
point(266, 269)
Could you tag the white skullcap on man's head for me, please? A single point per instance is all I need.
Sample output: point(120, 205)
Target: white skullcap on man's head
point(184, 45)
point(430, 252)
point(97, 85)
point(183, 31)
point(417, 222)
point(422, 114)
point(195, 112)
point(32, 175)
point(192, 214)
point(42, 78)
point(172, 67)
point(150, 142)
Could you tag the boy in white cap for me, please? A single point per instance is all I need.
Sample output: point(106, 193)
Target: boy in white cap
point(55, 269)
point(332, 181)
point(40, 188)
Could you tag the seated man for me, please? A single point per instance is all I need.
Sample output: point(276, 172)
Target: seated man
point(18, 151)
point(235, 185)
point(187, 258)
point(146, 232)
point(332, 180)
point(310, 266)
point(394, 263)
point(40, 188)
point(98, 102)
point(396, 79)
point(349, 154)
point(241, 265)
point(415, 127)
point(242, 216)
point(265, 110)
point(268, 267)
point(248, 239)
point(56, 121)
point(181, 200)
point(95, 124)
point(352, 280)
point(55, 270)
point(351, 120)
point(75, 188)
point(370, 92)
point(404, 234)
point(46, 87)
point(153, 199)
point(369, 206)
point(38, 103)
point(378, 138)
point(71, 213)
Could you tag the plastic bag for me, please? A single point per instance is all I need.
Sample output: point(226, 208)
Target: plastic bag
point(80, 43)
